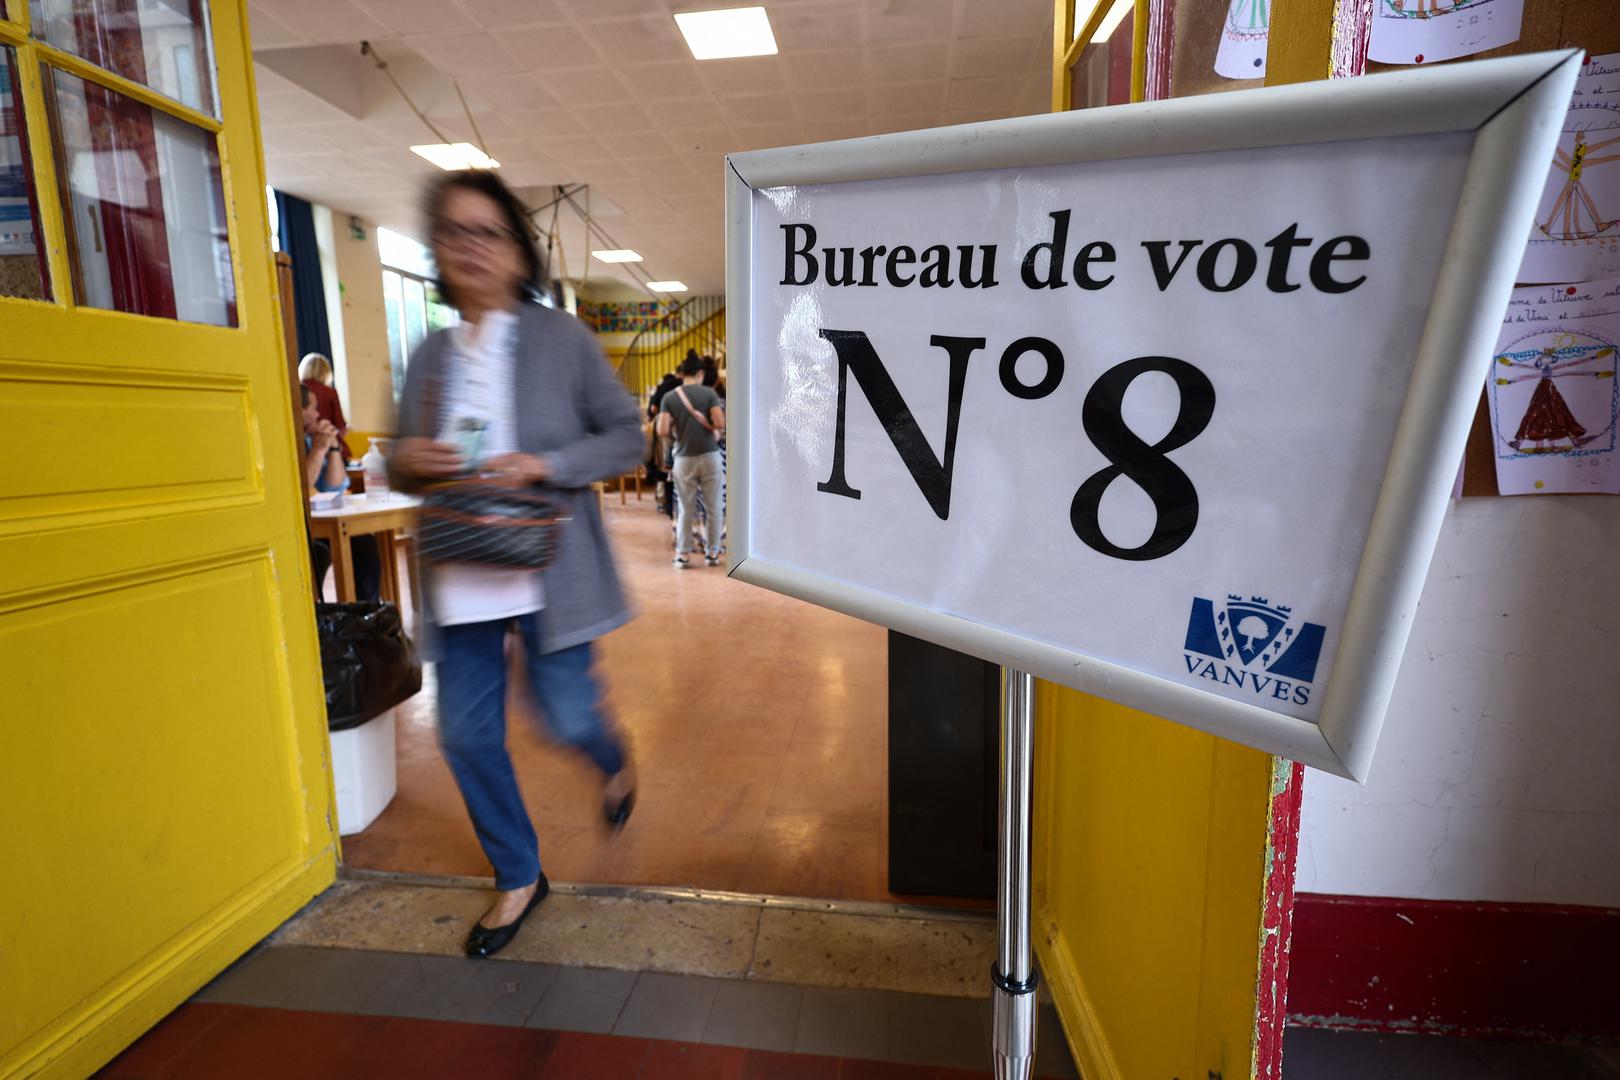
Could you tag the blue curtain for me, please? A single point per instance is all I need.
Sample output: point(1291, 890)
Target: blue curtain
point(309, 294)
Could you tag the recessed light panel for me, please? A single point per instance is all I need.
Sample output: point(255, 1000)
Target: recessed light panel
point(616, 255)
point(667, 286)
point(717, 35)
point(455, 156)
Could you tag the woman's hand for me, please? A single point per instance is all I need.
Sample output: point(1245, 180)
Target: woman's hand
point(322, 437)
point(425, 458)
point(519, 468)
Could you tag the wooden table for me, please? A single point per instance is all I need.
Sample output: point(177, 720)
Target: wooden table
point(382, 516)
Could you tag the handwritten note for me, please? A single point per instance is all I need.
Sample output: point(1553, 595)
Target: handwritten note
point(1553, 393)
point(1576, 236)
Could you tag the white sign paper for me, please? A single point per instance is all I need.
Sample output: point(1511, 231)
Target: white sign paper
point(1306, 386)
point(1166, 410)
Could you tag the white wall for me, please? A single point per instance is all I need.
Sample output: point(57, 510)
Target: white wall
point(353, 276)
point(1498, 774)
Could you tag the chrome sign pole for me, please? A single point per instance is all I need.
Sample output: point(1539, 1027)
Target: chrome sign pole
point(1013, 978)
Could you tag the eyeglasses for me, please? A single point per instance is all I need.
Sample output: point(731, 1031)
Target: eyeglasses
point(455, 234)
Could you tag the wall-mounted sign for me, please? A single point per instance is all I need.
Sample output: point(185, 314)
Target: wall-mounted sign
point(1163, 402)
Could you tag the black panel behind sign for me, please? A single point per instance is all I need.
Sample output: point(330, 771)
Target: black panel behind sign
point(944, 715)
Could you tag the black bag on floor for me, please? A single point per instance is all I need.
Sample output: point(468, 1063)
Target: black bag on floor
point(367, 662)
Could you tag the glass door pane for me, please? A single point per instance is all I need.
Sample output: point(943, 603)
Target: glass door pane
point(415, 314)
point(146, 215)
point(22, 256)
point(163, 44)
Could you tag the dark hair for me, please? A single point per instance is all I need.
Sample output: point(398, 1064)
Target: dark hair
point(309, 395)
point(692, 365)
point(492, 187)
point(711, 372)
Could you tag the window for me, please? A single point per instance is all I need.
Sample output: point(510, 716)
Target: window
point(163, 44)
point(22, 257)
point(411, 303)
point(144, 206)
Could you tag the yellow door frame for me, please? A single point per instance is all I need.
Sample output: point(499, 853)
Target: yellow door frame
point(165, 786)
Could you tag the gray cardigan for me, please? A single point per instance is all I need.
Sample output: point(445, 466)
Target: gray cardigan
point(574, 412)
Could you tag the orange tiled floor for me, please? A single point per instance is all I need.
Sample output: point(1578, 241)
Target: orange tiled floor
point(759, 724)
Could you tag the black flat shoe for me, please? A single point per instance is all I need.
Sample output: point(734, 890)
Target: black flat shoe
point(618, 815)
point(488, 940)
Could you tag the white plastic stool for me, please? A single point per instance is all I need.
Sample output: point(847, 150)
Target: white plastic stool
point(363, 772)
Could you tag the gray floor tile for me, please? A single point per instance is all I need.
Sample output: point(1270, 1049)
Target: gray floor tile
point(758, 1015)
point(503, 992)
point(1052, 1058)
point(843, 1023)
point(583, 999)
point(668, 1007)
point(944, 1032)
point(342, 980)
point(1543, 1061)
point(260, 978)
point(423, 987)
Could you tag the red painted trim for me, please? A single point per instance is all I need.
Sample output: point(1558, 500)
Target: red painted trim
point(1160, 43)
point(1271, 995)
point(1456, 968)
point(1352, 29)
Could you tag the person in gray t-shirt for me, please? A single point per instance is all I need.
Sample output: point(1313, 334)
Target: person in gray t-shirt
point(693, 414)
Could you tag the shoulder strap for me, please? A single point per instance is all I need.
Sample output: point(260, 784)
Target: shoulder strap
point(680, 392)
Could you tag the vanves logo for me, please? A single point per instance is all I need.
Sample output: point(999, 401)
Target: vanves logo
point(1255, 646)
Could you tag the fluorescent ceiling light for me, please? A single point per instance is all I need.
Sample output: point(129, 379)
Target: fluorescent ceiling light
point(667, 286)
point(616, 255)
point(1111, 21)
point(716, 35)
point(456, 155)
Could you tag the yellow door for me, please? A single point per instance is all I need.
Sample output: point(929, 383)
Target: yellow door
point(164, 792)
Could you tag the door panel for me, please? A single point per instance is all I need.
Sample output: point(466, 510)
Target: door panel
point(164, 784)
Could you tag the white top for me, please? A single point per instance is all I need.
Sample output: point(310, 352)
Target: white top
point(479, 381)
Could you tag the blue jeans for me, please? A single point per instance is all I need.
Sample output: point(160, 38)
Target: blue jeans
point(472, 731)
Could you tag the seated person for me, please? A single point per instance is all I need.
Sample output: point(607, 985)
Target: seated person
point(324, 471)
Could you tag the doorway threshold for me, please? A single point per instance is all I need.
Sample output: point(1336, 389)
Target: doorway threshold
point(849, 944)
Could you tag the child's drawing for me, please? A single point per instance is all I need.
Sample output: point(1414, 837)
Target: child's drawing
point(1242, 52)
point(1424, 31)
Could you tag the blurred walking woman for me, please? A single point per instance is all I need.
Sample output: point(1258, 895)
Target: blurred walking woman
point(522, 391)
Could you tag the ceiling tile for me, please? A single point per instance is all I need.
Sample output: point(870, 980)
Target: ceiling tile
point(516, 151)
point(979, 58)
point(551, 48)
point(635, 144)
point(417, 16)
point(910, 20)
point(825, 69)
point(522, 92)
point(750, 75)
point(466, 54)
point(655, 168)
point(830, 104)
point(817, 25)
point(691, 113)
point(535, 123)
point(268, 32)
point(497, 14)
point(766, 136)
point(586, 86)
point(697, 140)
point(827, 130)
point(1028, 18)
point(623, 117)
point(597, 10)
point(570, 148)
point(919, 122)
point(901, 99)
point(761, 108)
point(596, 172)
point(645, 40)
point(964, 94)
point(674, 79)
point(328, 21)
point(909, 63)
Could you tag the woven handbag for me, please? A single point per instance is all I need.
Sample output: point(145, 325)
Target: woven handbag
point(484, 521)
